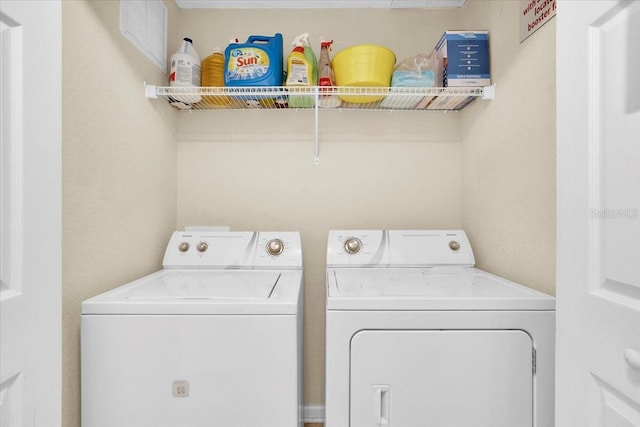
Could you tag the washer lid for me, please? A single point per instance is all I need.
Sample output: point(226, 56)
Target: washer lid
point(437, 288)
point(203, 291)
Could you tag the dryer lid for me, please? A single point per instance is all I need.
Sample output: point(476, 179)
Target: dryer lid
point(437, 288)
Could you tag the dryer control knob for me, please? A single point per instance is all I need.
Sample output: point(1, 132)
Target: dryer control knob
point(183, 246)
point(353, 245)
point(202, 246)
point(454, 246)
point(275, 247)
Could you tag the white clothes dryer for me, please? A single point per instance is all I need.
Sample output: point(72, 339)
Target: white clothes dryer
point(417, 336)
point(214, 338)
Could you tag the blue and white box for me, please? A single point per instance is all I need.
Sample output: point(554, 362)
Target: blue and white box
point(463, 59)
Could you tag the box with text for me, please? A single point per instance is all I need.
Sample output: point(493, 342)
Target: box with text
point(463, 59)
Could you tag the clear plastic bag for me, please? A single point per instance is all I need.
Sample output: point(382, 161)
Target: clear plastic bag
point(415, 71)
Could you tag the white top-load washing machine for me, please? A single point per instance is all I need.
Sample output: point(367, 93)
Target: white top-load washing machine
point(212, 339)
point(416, 336)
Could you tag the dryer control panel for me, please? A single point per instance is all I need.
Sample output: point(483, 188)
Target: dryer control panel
point(398, 248)
point(234, 250)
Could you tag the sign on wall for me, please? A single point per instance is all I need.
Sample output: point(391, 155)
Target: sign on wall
point(534, 14)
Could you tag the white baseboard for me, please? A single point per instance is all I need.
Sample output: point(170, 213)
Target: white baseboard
point(313, 413)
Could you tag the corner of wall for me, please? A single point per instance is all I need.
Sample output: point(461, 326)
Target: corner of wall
point(508, 160)
point(119, 169)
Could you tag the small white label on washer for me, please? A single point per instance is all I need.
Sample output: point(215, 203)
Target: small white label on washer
point(180, 388)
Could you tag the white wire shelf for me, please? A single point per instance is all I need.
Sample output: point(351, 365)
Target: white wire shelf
point(317, 97)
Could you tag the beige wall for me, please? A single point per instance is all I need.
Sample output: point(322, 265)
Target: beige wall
point(509, 157)
point(489, 169)
point(119, 170)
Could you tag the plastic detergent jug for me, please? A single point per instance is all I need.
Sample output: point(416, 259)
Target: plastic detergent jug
point(258, 62)
point(185, 71)
point(325, 76)
point(301, 71)
point(213, 76)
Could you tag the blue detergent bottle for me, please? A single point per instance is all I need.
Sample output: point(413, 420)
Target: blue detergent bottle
point(258, 62)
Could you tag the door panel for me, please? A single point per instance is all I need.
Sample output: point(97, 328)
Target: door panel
point(30, 142)
point(598, 269)
point(614, 234)
point(612, 408)
point(441, 378)
point(12, 351)
point(615, 230)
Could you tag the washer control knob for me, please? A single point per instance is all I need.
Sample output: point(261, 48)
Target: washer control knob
point(202, 246)
point(353, 245)
point(454, 246)
point(183, 246)
point(275, 247)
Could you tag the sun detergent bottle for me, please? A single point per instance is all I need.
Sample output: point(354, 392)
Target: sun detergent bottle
point(258, 62)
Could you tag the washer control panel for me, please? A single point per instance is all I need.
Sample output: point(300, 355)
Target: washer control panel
point(398, 248)
point(229, 249)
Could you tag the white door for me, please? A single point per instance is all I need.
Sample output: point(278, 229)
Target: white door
point(30, 305)
point(598, 269)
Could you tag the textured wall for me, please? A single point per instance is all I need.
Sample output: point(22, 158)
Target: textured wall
point(509, 157)
point(119, 170)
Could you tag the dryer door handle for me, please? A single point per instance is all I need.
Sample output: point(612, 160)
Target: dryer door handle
point(381, 406)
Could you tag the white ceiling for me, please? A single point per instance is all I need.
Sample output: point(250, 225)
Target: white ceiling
point(315, 4)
